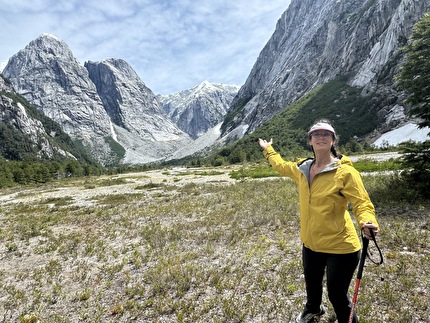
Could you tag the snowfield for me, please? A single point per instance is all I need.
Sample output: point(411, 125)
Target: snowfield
point(408, 132)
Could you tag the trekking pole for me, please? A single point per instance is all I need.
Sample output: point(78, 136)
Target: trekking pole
point(359, 275)
point(360, 270)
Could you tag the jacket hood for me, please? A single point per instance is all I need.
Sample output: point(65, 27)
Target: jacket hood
point(341, 160)
point(344, 160)
point(304, 164)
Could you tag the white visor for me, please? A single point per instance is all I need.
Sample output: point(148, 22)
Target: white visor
point(322, 126)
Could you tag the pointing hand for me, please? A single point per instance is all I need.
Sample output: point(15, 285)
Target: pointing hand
point(264, 143)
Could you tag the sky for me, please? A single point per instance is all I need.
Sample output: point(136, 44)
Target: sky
point(173, 45)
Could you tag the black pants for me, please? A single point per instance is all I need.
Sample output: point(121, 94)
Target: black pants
point(340, 269)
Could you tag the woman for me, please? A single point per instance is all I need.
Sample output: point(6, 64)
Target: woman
point(326, 184)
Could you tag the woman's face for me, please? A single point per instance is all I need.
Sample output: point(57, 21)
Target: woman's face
point(321, 139)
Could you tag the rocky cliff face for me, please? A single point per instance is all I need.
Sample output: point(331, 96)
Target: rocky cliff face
point(14, 115)
point(46, 73)
point(129, 103)
point(138, 120)
point(316, 40)
point(106, 103)
point(201, 108)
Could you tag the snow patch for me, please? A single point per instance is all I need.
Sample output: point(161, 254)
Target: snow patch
point(48, 35)
point(112, 131)
point(408, 132)
point(204, 141)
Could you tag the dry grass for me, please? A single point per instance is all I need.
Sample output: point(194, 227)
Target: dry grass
point(190, 246)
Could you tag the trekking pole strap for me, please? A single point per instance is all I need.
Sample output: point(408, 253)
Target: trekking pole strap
point(366, 243)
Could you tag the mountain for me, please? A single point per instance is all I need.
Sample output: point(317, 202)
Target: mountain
point(201, 108)
point(316, 41)
point(341, 54)
point(49, 77)
point(139, 122)
point(131, 128)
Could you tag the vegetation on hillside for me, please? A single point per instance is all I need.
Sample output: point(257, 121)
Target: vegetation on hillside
point(21, 160)
point(352, 116)
point(17, 146)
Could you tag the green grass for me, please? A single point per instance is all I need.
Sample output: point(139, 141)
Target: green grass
point(260, 171)
point(368, 165)
point(193, 252)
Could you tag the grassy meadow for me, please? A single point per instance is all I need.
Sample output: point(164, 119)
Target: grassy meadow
point(189, 245)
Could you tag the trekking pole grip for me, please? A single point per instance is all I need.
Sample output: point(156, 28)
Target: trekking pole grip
point(364, 253)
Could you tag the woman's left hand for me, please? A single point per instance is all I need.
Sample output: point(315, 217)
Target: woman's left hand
point(366, 230)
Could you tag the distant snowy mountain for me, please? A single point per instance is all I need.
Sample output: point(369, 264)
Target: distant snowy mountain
point(199, 109)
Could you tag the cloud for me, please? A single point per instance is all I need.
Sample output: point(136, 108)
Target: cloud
point(172, 45)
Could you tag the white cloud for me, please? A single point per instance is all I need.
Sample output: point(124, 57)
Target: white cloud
point(172, 45)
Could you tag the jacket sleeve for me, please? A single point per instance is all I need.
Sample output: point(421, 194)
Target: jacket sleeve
point(285, 168)
point(356, 194)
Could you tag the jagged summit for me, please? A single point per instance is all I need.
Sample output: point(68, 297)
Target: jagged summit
point(207, 86)
point(201, 108)
point(51, 36)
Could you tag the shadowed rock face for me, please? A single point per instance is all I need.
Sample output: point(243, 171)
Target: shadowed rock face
point(129, 103)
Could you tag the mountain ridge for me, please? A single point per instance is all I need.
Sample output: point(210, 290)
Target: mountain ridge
point(103, 104)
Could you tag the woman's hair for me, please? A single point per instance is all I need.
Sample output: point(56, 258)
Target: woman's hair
point(335, 138)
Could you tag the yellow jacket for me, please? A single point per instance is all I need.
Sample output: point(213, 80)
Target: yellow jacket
point(325, 223)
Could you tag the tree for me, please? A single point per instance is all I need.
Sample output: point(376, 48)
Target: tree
point(414, 76)
point(417, 160)
point(6, 176)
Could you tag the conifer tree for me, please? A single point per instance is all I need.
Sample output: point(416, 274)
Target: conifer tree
point(414, 76)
